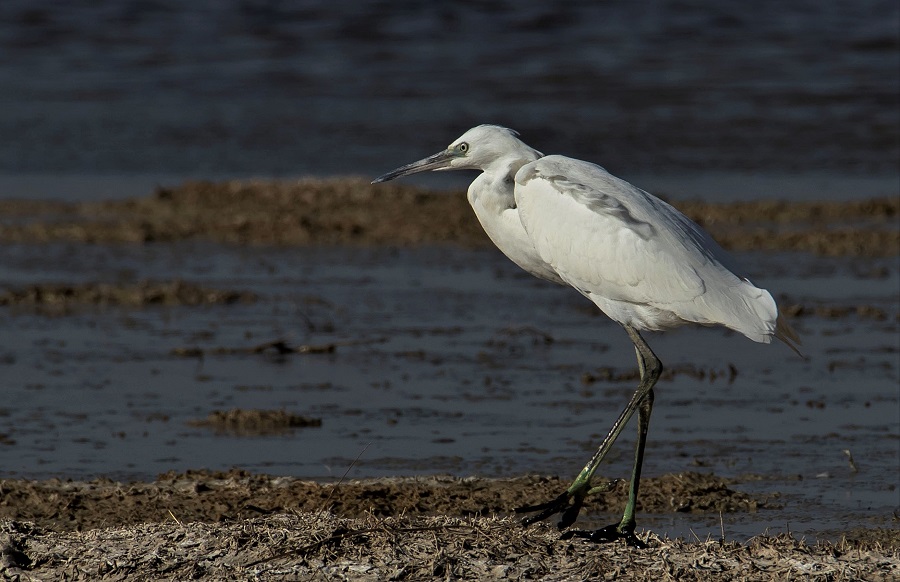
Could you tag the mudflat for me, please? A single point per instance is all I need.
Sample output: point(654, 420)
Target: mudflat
point(237, 525)
point(161, 332)
point(352, 211)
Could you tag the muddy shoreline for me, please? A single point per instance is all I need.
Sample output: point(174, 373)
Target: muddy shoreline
point(207, 496)
point(302, 546)
point(351, 211)
point(143, 327)
point(231, 525)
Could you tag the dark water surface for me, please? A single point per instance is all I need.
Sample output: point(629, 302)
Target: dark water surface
point(443, 365)
point(235, 88)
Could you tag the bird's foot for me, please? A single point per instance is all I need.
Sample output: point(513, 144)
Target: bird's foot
point(569, 504)
point(608, 534)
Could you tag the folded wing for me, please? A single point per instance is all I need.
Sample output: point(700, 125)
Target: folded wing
point(615, 242)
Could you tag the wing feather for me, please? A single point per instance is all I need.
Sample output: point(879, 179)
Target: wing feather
point(612, 240)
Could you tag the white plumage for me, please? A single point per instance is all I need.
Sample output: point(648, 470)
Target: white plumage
point(642, 262)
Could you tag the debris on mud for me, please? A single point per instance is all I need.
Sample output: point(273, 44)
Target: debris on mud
point(237, 525)
point(278, 347)
point(304, 545)
point(609, 374)
point(255, 422)
point(61, 297)
point(234, 495)
point(862, 311)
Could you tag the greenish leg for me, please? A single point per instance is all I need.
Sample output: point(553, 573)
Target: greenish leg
point(627, 524)
point(571, 501)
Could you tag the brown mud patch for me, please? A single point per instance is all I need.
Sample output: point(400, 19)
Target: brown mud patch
point(242, 422)
point(861, 311)
point(62, 297)
point(279, 347)
point(352, 211)
point(610, 374)
point(305, 212)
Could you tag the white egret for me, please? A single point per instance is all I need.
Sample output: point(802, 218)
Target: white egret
point(642, 262)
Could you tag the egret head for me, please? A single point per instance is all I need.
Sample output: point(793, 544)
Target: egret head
point(477, 149)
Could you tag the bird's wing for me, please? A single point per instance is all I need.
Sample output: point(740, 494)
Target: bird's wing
point(607, 237)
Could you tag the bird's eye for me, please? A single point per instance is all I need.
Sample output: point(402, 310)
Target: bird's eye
point(463, 147)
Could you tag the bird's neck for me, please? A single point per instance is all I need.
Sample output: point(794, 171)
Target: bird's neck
point(493, 189)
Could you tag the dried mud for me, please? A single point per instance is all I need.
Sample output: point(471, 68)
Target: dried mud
point(301, 546)
point(352, 211)
point(62, 297)
point(255, 422)
point(236, 525)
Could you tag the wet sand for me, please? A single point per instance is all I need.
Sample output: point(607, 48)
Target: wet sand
point(222, 324)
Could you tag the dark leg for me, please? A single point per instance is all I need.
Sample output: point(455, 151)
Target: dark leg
point(571, 501)
point(625, 528)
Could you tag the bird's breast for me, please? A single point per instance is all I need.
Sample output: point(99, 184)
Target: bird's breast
point(500, 221)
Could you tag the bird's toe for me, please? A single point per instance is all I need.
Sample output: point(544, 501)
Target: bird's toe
point(567, 504)
point(607, 534)
point(545, 510)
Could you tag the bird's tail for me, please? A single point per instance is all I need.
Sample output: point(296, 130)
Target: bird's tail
point(786, 333)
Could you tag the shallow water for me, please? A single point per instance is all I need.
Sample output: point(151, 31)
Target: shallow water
point(448, 361)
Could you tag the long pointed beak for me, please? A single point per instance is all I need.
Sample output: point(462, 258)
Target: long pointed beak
point(438, 161)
